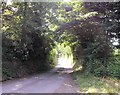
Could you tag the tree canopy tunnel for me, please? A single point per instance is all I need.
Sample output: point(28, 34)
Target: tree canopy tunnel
point(87, 40)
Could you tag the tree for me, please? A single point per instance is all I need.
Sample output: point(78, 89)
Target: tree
point(25, 38)
point(108, 16)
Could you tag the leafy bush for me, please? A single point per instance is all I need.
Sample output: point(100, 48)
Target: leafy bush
point(113, 70)
point(53, 57)
point(33, 56)
point(113, 67)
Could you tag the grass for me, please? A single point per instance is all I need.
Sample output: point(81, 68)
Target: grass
point(88, 83)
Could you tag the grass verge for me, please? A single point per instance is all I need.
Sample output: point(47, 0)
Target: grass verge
point(88, 83)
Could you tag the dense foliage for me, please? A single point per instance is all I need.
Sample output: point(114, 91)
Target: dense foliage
point(92, 33)
point(24, 38)
point(34, 34)
point(108, 16)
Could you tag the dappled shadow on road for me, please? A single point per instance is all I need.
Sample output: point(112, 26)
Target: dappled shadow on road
point(18, 84)
point(15, 85)
point(41, 83)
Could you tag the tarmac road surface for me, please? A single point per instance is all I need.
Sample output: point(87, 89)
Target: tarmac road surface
point(50, 82)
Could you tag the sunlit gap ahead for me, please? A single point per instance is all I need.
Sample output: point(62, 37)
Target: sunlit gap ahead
point(65, 62)
point(64, 56)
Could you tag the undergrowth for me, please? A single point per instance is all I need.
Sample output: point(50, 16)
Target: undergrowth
point(88, 83)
